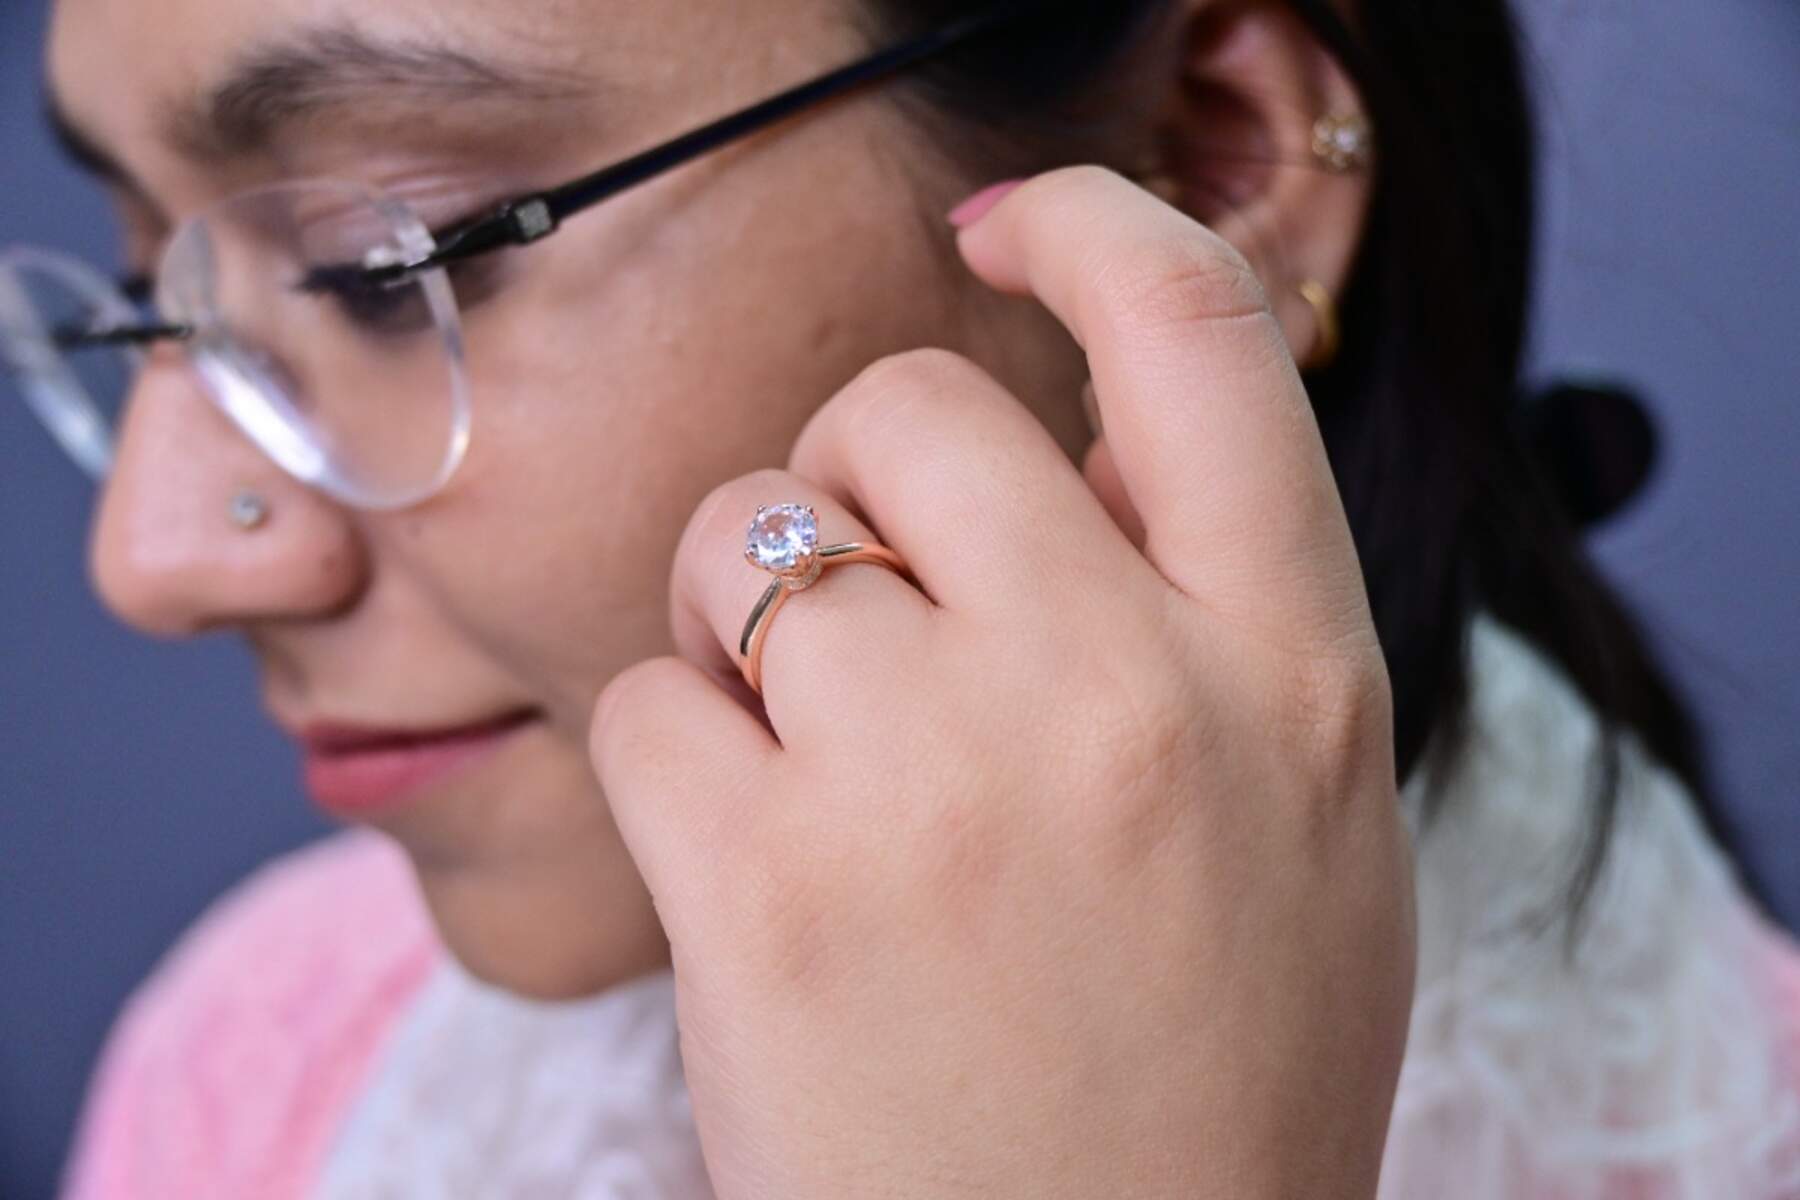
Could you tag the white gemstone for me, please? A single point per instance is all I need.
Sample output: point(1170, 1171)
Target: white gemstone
point(782, 535)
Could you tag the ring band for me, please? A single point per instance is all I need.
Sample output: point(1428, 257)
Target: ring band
point(784, 541)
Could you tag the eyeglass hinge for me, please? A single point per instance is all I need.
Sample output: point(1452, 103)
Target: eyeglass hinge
point(531, 219)
point(515, 224)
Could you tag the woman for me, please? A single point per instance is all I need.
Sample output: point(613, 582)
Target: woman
point(1059, 852)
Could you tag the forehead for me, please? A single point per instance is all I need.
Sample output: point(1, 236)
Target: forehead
point(142, 50)
point(140, 78)
point(160, 85)
point(186, 43)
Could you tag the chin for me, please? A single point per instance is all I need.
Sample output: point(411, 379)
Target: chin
point(553, 968)
point(555, 918)
point(549, 981)
point(524, 873)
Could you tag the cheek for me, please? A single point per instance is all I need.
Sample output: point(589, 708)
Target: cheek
point(593, 444)
point(652, 357)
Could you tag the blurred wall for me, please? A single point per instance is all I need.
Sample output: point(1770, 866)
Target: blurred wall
point(137, 780)
point(1670, 257)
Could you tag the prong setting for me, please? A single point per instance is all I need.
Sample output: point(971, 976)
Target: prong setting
point(784, 541)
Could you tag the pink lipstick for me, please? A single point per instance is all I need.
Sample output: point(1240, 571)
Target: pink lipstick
point(355, 771)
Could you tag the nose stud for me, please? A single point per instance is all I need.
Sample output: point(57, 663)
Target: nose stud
point(248, 510)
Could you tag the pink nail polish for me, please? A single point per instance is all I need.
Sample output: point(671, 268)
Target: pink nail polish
point(981, 203)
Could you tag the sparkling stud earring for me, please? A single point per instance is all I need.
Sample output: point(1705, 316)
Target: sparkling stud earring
point(248, 510)
point(1342, 141)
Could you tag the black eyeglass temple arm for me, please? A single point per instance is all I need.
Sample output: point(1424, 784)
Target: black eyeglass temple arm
point(528, 218)
point(122, 335)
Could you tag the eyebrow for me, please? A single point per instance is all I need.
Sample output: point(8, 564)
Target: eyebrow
point(309, 75)
point(325, 71)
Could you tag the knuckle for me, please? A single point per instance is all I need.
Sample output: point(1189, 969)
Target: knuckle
point(792, 907)
point(1187, 278)
point(1339, 703)
point(883, 411)
point(1338, 751)
point(892, 387)
point(1143, 272)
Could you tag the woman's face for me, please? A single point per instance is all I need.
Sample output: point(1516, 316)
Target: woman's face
point(673, 338)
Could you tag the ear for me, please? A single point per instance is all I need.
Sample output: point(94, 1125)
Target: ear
point(1243, 95)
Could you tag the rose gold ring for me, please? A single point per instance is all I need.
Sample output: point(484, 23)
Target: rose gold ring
point(784, 541)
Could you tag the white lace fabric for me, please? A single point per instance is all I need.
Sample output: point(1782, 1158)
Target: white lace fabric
point(485, 1095)
point(1643, 1063)
point(1645, 1067)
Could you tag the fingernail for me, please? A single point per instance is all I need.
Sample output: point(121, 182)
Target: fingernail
point(981, 203)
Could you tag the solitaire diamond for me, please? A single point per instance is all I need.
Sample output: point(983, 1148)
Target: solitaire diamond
point(783, 537)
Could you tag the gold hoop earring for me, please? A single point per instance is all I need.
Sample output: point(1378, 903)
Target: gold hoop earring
point(1325, 316)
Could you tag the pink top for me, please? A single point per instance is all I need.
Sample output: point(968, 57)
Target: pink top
point(294, 980)
point(310, 1037)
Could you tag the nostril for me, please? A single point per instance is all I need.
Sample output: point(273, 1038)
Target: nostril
point(173, 564)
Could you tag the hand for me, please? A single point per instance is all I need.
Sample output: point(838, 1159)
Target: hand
point(1079, 872)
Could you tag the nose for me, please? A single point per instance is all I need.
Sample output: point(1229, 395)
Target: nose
point(165, 553)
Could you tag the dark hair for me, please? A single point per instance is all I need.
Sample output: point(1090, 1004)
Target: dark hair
point(1450, 511)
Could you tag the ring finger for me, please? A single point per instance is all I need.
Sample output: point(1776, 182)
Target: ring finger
point(843, 638)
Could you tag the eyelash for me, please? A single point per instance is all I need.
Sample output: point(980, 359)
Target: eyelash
point(474, 281)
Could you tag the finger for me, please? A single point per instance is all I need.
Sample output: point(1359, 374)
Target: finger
point(829, 648)
point(1205, 415)
point(1102, 475)
point(961, 479)
point(680, 763)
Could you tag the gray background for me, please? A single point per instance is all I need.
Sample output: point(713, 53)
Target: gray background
point(138, 779)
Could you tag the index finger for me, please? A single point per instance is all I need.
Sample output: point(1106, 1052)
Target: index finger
point(1206, 417)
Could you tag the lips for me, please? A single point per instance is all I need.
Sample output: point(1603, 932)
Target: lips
point(357, 770)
